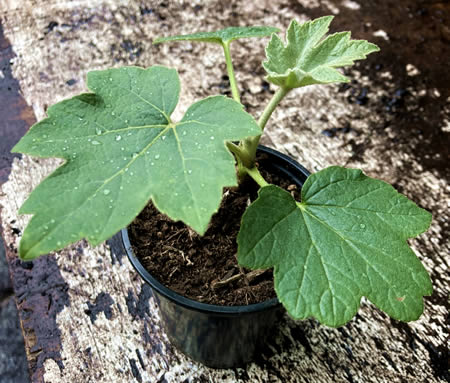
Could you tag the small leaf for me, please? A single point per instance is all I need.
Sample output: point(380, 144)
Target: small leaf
point(345, 240)
point(121, 150)
point(222, 36)
point(307, 60)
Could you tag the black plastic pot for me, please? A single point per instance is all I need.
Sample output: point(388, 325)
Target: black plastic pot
point(219, 336)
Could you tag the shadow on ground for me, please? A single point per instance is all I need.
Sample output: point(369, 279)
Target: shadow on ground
point(13, 362)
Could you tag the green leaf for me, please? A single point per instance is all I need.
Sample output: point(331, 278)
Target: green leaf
point(346, 239)
point(222, 36)
point(121, 150)
point(307, 60)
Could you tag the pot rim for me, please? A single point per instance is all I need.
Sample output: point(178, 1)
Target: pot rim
point(188, 302)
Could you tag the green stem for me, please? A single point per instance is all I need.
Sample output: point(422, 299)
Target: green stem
point(250, 145)
point(257, 177)
point(239, 155)
point(276, 98)
point(230, 71)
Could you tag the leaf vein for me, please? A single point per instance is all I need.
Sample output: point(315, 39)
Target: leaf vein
point(271, 229)
point(146, 101)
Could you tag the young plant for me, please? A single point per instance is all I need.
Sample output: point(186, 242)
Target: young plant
point(345, 239)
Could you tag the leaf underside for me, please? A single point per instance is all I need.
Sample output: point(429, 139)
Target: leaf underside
point(345, 240)
point(121, 150)
point(308, 59)
point(222, 36)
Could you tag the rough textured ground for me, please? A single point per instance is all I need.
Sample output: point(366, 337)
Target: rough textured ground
point(85, 314)
point(13, 363)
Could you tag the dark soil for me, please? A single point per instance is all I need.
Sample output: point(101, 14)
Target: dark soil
point(204, 268)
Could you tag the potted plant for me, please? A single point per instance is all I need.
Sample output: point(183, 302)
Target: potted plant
point(343, 238)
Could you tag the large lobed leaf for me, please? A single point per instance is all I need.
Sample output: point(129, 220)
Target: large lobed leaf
point(306, 59)
point(121, 150)
point(225, 35)
point(346, 239)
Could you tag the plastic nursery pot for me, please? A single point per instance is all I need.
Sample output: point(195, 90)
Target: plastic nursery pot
point(219, 336)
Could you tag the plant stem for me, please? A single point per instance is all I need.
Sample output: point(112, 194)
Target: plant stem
point(257, 177)
point(250, 145)
point(276, 98)
point(239, 155)
point(233, 85)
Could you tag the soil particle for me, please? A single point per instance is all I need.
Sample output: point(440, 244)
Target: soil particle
point(204, 268)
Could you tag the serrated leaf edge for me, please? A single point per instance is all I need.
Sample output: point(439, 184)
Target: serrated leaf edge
point(277, 78)
point(302, 206)
point(67, 160)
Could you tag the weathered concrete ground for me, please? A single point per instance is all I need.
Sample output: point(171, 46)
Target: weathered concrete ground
point(392, 120)
point(13, 363)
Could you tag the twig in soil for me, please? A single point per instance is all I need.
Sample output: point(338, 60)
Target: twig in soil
point(192, 234)
point(217, 284)
point(241, 270)
point(173, 272)
point(185, 258)
point(249, 277)
point(174, 234)
point(252, 275)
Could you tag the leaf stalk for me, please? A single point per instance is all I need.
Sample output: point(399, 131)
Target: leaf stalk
point(257, 176)
point(230, 71)
point(250, 145)
point(276, 99)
